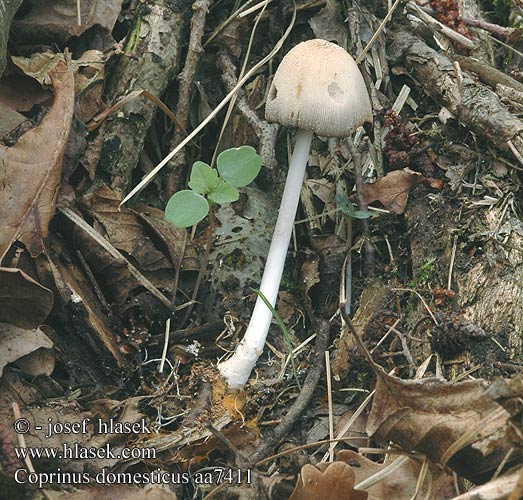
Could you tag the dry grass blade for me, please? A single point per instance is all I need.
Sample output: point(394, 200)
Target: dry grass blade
point(98, 120)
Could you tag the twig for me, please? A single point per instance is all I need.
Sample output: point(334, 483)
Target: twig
point(436, 25)
point(265, 132)
point(493, 490)
point(185, 79)
point(203, 267)
point(96, 287)
point(452, 259)
point(240, 457)
point(79, 12)
point(348, 425)
point(502, 31)
point(302, 447)
point(405, 348)
point(422, 301)
point(329, 397)
point(242, 72)
point(303, 399)
point(254, 8)
point(165, 345)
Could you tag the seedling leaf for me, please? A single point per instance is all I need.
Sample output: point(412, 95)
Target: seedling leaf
point(239, 166)
point(345, 205)
point(204, 179)
point(223, 193)
point(186, 208)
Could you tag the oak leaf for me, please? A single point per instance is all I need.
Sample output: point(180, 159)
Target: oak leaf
point(335, 482)
point(402, 481)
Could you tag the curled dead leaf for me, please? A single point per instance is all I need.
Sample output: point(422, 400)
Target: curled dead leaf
point(31, 169)
point(458, 425)
point(392, 190)
point(335, 482)
point(16, 343)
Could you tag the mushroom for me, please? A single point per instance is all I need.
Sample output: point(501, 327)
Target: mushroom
point(317, 88)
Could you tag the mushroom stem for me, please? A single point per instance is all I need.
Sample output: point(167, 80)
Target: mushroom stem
point(237, 369)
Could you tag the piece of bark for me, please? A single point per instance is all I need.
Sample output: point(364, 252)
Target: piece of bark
point(474, 105)
point(149, 62)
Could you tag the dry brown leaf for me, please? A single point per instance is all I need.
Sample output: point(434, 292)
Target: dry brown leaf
point(336, 482)
point(21, 93)
point(57, 20)
point(39, 362)
point(23, 302)
point(125, 232)
point(392, 190)
point(16, 342)
point(30, 170)
point(457, 425)
point(401, 483)
point(172, 236)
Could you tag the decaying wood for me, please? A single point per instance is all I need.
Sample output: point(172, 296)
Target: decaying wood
point(149, 61)
point(194, 52)
point(491, 294)
point(474, 105)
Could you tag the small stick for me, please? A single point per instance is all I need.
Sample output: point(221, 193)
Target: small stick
point(165, 345)
point(203, 268)
point(329, 397)
point(452, 258)
point(254, 8)
point(477, 23)
point(348, 425)
point(185, 79)
point(436, 25)
point(150, 176)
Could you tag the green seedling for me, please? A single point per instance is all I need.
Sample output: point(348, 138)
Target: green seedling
point(345, 205)
point(235, 168)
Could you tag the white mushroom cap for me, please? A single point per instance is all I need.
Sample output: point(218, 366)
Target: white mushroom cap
point(319, 87)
